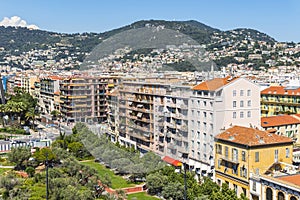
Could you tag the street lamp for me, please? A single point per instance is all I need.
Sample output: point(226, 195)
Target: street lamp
point(185, 156)
point(47, 181)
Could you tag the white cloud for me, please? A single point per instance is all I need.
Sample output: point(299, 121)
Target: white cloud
point(17, 21)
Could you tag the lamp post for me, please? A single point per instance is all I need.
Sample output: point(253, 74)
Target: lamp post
point(47, 181)
point(185, 156)
point(185, 186)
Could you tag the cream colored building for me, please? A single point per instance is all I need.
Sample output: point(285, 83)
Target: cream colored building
point(215, 105)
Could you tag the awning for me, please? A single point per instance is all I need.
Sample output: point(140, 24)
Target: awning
point(140, 105)
point(172, 161)
point(139, 114)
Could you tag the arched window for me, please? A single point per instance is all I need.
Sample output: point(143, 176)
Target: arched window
point(280, 196)
point(293, 198)
point(269, 194)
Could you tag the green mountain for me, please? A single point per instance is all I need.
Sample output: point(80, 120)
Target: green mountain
point(14, 41)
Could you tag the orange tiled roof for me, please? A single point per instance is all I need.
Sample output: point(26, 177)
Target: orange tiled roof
point(279, 120)
point(251, 136)
point(294, 179)
point(57, 92)
point(281, 90)
point(53, 77)
point(214, 84)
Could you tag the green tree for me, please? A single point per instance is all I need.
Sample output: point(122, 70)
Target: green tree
point(30, 171)
point(173, 190)
point(19, 156)
point(31, 114)
point(41, 154)
point(155, 183)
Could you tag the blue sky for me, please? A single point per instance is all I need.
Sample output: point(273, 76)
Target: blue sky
point(280, 19)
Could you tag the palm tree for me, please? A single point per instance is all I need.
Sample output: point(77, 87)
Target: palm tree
point(30, 115)
point(2, 111)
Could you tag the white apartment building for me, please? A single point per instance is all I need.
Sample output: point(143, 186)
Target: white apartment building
point(215, 105)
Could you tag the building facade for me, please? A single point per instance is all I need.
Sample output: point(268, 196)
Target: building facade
point(242, 151)
point(83, 99)
point(214, 106)
point(277, 100)
point(286, 125)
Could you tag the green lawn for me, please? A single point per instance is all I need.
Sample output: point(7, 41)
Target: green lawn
point(140, 196)
point(117, 181)
point(2, 170)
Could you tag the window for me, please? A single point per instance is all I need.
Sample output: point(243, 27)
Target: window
point(219, 163)
point(241, 93)
point(204, 115)
point(287, 152)
point(193, 113)
point(254, 186)
point(234, 104)
point(204, 103)
point(257, 171)
point(226, 152)
point(256, 156)
point(241, 103)
point(234, 115)
point(243, 156)
point(193, 134)
point(234, 93)
point(219, 182)
point(235, 188)
point(244, 191)
point(248, 93)
point(235, 155)
point(249, 103)
point(249, 114)
point(242, 114)
point(276, 155)
point(243, 172)
point(219, 149)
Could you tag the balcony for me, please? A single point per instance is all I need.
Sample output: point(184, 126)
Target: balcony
point(227, 159)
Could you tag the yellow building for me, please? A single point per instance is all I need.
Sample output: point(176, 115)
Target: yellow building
point(277, 100)
point(241, 151)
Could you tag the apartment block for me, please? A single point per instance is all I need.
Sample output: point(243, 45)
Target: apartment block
point(241, 151)
point(48, 86)
point(277, 100)
point(153, 116)
point(214, 106)
point(286, 125)
point(83, 99)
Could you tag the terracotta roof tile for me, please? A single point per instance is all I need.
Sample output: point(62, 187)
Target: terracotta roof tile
point(214, 84)
point(251, 136)
point(279, 120)
point(281, 91)
point(294, 179)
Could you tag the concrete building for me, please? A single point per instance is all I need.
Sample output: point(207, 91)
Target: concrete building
point(286, 125)
point(83, 99)
point(277, 100)
point(214, 106)
point(48, 86)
